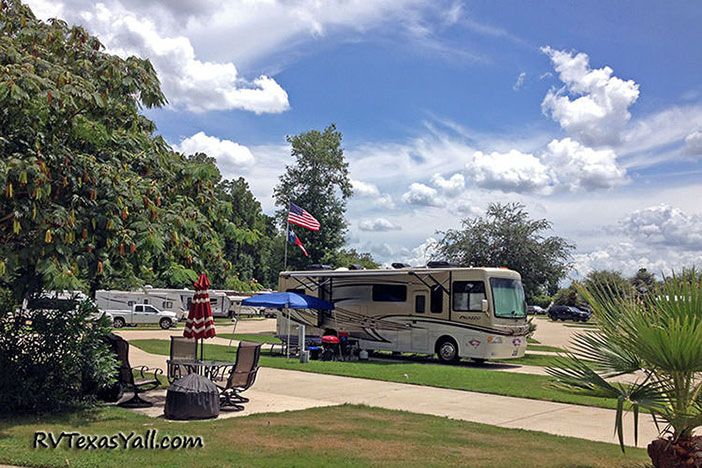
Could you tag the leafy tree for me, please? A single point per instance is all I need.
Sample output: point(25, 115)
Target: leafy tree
point(89, 196)
point(643, 281)
point(655, 339)
point(259, 255)
point(348, 257)
point(613, 279)
point(319, 182)
point(507, 237)
point(569, 296)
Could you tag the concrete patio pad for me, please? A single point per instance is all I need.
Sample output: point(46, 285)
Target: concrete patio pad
point(279, 390)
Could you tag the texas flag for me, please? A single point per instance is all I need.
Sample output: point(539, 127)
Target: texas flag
point(294, 240)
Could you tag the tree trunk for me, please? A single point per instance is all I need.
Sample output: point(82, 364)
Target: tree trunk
point(665, 453)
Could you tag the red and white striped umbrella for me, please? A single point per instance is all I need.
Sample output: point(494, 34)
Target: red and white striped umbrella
point(200, 323)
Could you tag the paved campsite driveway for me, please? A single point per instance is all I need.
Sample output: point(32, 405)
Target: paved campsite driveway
point(244, 326)
point(554, 333)
point(279, 390)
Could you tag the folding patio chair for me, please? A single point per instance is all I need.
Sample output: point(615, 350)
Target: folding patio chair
point(183, 350)
point(242, 376)
point(125, 374)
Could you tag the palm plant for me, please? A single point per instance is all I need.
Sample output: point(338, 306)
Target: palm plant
point(656, 339)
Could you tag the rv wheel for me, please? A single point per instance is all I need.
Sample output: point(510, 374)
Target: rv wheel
point(165, 323)
point(118, 322)
point(447, 350)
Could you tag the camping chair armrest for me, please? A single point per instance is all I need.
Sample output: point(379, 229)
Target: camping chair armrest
point(148, 382)
point(252, 371)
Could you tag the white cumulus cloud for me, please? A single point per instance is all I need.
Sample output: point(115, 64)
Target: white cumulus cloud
point(423, 253)
point(230, 156)
point(564, 165)
point(187, 81)
point(693, 143)
point(452, 187)
point(510, 172)
point(593, 107)
point(422, 195)
point(364, 189)
point(575, 166)
point(378, 225)
point(664, 225)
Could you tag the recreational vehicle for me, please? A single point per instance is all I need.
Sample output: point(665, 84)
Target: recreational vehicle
point(168, 300)
point(477, 313)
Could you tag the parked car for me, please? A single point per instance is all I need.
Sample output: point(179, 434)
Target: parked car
point(563, 313)
point(535, 310)
point(143, 313)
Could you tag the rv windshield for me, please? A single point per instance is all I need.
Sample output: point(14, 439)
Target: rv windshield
point(508, 296)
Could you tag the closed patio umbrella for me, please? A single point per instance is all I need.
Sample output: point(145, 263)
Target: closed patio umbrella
point(200, 324)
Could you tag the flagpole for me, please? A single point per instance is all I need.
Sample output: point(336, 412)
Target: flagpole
point(287, 230)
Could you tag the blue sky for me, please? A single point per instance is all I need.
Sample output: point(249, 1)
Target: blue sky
point(589, 113)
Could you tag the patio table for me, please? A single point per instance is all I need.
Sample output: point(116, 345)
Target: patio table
point(216, 371)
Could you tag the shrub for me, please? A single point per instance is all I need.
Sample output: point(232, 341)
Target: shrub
point(541, 300)
point(52, 360)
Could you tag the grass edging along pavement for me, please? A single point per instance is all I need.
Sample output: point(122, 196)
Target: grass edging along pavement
point(539, 347)
point(456, 377)
point(346, 435)
point(253, 337)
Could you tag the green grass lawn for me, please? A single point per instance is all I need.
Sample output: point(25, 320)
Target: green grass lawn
point(539, 360)
point(148, 326)
point(331, 436)
point(255, 337)
point(538, 347)
point(461, 377)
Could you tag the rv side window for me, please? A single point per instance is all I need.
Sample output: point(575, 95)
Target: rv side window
point(437, 300)
point(146, 301)
point(130, 303)
point(468, 295)
point(420, 302)
point(389, 293)
point(213, 300)
point(167, 305)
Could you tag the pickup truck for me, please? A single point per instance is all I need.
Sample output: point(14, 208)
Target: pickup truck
point(142, 313)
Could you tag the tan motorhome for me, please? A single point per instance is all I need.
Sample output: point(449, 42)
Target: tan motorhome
point(477, 313)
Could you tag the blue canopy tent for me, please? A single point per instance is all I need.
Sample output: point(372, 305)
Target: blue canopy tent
point(287, 300)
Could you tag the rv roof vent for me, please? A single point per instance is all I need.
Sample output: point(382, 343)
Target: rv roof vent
point(440, 264)
point(399, 265)
point(355, 266)
point(319, 266)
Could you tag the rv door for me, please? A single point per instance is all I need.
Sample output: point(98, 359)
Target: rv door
point(419, 333)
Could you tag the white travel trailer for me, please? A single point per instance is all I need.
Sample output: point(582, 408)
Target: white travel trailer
point(477, 313)
point(168, 300)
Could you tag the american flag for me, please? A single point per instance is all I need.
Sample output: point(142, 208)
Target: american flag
point(300, 217)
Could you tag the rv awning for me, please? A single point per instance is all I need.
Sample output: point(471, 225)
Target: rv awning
point(287, 300)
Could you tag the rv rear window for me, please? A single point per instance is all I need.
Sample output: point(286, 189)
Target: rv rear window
point(468, 295)
point(389, 293)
